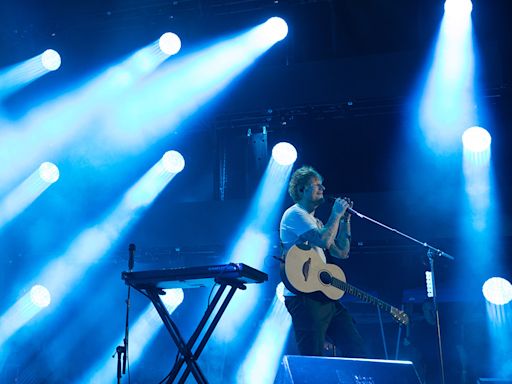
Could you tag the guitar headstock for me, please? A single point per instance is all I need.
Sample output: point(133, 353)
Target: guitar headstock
point(400, 316)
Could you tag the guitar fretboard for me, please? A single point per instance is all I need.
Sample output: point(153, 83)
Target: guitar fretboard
point(367, 298)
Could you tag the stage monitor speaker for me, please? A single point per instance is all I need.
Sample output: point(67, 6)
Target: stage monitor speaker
point(335, 370)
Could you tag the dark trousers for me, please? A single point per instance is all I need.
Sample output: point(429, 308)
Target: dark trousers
point(313, 320)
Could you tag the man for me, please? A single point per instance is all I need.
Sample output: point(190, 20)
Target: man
point(314, 317)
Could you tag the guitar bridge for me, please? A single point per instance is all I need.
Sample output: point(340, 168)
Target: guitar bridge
point(305, 269)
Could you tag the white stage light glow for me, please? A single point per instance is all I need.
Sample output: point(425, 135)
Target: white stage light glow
point(284, 153)
point(173, 162)
point(476, 139)
point(275, 29)
point(40, 296)
point(51, 60)
point(169, 43)
point(48, 172)
point(497, 290)
point(458, 7)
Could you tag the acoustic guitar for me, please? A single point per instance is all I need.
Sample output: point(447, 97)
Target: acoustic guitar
point(304, 271)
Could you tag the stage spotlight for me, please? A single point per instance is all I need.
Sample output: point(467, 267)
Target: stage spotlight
point(40, 296)
point(275, 29)
point(169, 43)
point(28, 191)
point(51, 60)
point(476, 139)
point(173, 162)
point(497, 290)
point(48, 172)
point(284, 153)
point(458, 7)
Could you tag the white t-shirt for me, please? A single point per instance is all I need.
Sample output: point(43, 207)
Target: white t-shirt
point(295, 222)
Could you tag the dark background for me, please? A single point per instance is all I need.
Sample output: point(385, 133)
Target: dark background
point(341, 87)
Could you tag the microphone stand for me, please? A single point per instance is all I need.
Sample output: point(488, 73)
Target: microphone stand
point(432, 254)
point(122, 350)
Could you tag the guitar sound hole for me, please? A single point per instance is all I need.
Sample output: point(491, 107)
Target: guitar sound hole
point(325, 277)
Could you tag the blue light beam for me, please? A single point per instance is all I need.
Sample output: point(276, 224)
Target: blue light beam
point(142, 333)
point(477, 175)
point(28, 191)
point(72, 115)
point(26, 308)
point(262, 361)
point(63, 272)
point(499, 322)
point(19, 75)
point(253, 243)
point(176, 91)
point(448, 100)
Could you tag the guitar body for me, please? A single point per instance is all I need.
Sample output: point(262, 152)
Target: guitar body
point(303, 269)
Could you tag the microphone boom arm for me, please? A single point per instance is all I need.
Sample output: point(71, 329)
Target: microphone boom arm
point(431, 253)
point(438, 252)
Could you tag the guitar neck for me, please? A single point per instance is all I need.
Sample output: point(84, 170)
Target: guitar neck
point(367, 298)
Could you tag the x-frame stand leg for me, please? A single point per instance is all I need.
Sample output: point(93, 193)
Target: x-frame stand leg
point(187, 355)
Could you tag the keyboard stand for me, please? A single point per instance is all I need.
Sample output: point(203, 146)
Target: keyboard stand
point(187, 354)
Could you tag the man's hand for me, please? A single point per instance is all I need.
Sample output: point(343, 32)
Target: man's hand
point(341, 205)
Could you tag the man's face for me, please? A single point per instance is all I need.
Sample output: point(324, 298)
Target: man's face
point(314, 191)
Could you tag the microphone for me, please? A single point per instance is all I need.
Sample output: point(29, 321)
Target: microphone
point(349, 209)
point(131, 261)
